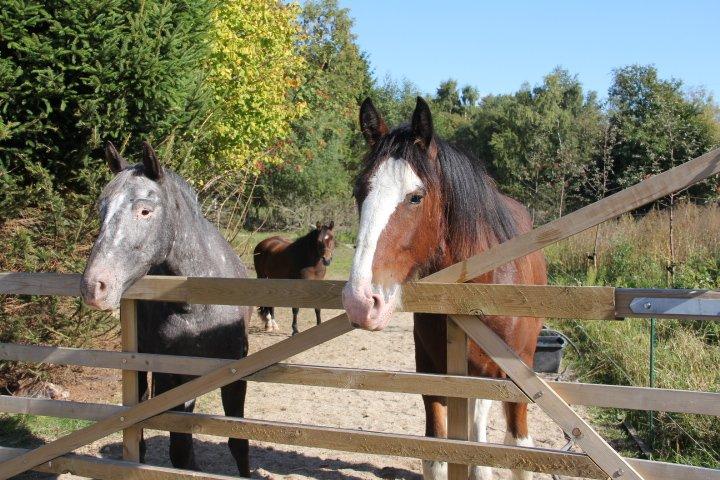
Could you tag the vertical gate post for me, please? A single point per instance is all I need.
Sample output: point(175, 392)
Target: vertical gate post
point(130, 386)
point(457, 408)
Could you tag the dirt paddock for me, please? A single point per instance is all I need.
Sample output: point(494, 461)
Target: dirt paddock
point(391, 349)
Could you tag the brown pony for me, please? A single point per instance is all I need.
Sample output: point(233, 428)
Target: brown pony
point(306, 258)
point(425, 205)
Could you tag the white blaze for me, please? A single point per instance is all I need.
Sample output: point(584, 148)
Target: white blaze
point(111, 207)
point(393, 180)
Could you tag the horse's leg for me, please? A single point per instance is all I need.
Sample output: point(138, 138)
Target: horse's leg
point(517, 433)
point(266, 316)
point(273, 323)
point(430, 351)
point(317, 315)
point(233, 399)
point(142, 396)
point(182, 454)
point(435, 426)
point(480, 365)
point(479, 411)
point(294, 324)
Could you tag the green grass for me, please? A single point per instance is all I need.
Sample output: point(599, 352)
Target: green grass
point(634, 253)
point(25, 431)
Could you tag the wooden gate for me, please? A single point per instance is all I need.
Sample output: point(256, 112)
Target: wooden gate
point(442, 292)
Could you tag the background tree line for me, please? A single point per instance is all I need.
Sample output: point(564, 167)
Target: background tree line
point(256, 102)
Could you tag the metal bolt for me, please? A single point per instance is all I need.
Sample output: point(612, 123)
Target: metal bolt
point(122, 419)
point(576, 432)
point(537, 395)
point(233, 370)
point(647, 306)
point(619, 473)
point(50, 464)
point(124, 360)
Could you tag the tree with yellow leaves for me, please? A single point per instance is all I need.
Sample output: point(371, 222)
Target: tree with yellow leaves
point(253, 68)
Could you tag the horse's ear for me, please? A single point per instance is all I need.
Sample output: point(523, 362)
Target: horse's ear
point(115, 161)
point(153, 170)
point(372, 125)
point(331, 224)
point(318, 225)
point(422, 125)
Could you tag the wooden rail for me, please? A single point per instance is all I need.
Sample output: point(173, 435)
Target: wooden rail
point(107, 469)
point(545, 301)
point(521, 300)
point(588, 394)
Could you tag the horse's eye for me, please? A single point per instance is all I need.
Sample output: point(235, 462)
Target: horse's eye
point(145, 212)
point(416, 198)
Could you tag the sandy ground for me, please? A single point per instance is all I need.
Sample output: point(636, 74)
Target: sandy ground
point(391, 349)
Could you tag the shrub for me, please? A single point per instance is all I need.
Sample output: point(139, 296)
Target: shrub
point(78, 72)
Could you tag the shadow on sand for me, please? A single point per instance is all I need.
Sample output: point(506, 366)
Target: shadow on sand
point(265, 461)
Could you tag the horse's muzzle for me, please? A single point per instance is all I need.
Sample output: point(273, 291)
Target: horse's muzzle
point(99, 291)
point(327, 261)
point(366, 308)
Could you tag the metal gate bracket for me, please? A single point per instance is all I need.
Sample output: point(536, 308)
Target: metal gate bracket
point(684, 307)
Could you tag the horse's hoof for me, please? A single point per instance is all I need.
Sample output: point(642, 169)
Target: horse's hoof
point(269, 328)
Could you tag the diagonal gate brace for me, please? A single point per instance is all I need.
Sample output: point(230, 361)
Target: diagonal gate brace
point(547, 399)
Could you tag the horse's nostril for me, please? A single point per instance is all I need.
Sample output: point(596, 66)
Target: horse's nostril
point(102, 286)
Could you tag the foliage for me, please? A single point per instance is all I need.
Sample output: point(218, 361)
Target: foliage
point(447, 96)
point(253, 67)
point(658, 125)
point(78, 72)
point(325, 145)
point(540, 141)
point(395, 100)
point(469, 96)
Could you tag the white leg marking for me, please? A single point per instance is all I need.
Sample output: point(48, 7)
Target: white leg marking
point(267, 318)
point(519, 442)
point(478, 433)
point(433, 470)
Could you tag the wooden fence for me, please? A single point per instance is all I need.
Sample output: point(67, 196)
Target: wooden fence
point(442, 292)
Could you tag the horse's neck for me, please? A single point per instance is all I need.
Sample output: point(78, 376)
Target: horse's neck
point(304, 251)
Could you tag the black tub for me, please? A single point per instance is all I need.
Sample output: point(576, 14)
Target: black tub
point(549, 351)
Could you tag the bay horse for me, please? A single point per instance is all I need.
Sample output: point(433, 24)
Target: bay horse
point(306, 258)
point(425, 205)
point(151, 223)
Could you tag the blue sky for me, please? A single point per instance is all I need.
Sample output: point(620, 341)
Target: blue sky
point(497, 46)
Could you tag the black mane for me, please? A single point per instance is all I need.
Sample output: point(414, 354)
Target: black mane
point(472, 201)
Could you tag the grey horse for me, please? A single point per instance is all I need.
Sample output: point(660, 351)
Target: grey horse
point(151, 223)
